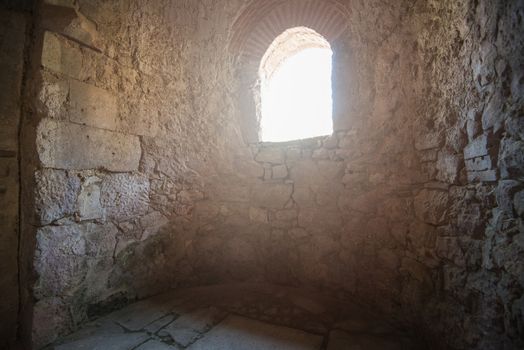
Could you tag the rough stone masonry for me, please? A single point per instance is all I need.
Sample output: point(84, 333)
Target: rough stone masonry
point(129, 163)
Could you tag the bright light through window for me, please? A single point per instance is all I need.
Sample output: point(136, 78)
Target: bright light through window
point(297, 97)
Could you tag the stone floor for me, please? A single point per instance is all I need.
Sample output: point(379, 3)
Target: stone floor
point(241, 316)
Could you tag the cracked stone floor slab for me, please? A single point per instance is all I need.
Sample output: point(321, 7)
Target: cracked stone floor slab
point(241, 316)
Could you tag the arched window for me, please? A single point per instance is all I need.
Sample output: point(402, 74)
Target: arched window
point(296, 95)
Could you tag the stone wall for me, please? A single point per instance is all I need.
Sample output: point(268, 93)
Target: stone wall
point(117, 135)
point(143, 179)
point(472, 51)
point(13, 29)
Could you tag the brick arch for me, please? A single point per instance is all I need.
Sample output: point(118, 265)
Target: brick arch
point(263, 20)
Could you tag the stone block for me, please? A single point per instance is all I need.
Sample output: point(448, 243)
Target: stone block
point(477, 148)
point(125, 196)
point(53, 97)
point(511, 159)
point(479, 164)
point(482, 176)
point(280, 172)
point(271, 195)
point(431, 206)
point(305, 172)
point(493, 116)
point(330, 142)
point(504, 194)
point(448, 167)
point(62, 18)
point(63, 145)
point(248, 168)
point(141, 120)
point(293, 154)
point(65, 255)
point(88, 203)
point(271, 155)
point(258, 215)
point(61, 56)
point(92, 106)
point(429, 155)
point(56, 195)
point(427, 141)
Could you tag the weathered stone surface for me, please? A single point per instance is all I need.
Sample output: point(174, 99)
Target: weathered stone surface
point(56, 195)
point(53, 98)
point(125, 196)
point(477, 148)
point(152, 223)
point(92, 106)
point(273, 155)
point(64, 253)
point(258, 215)
point(432, 206)
point(88, 203)
point(448, 167)
point(511, 159)
point(68, 146)
point(271, 195)
point(424, 92)
point(493, 116)
point(235, 333)
point(280, 172)
point(428, 141)
point(482, 176)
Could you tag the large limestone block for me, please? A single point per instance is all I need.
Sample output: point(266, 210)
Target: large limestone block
point(271, 195)
point(93, 106)
point(56, 194)
point(64, 145)
point(61, 56)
